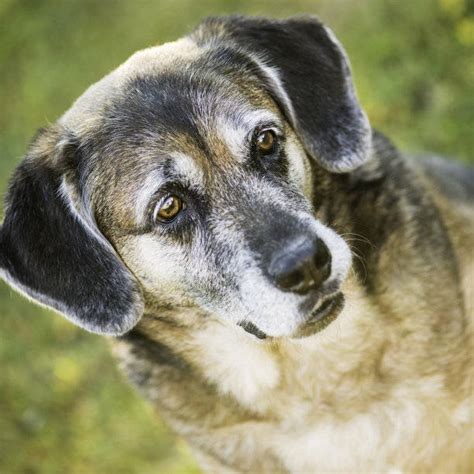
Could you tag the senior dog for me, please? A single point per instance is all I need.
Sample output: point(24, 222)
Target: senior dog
point(290, 292)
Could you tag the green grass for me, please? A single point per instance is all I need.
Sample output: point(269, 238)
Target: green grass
point(63, 405)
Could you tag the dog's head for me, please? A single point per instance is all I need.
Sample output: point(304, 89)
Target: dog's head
point(184, 178)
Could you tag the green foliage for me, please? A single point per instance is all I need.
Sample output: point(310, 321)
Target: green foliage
point(65, 408)
point(63, 405)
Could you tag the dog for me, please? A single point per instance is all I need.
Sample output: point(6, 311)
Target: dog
point(289, 291)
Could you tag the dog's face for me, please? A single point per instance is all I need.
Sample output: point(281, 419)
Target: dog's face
point(184, 179)
point(210, 203)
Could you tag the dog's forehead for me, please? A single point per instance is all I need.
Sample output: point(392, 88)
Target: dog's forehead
point(165, 129)
point(183, 73)
point(177, 104)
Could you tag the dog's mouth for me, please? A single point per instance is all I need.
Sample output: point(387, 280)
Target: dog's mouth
point(323, 315)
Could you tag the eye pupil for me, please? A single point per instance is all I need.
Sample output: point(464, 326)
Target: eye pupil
point(169, 208)
point(266, 142)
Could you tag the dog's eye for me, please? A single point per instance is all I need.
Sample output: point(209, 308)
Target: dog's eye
point(266, 142)
point(168, 208)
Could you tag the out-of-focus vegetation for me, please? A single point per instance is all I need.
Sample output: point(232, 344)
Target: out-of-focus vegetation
point(63, 405)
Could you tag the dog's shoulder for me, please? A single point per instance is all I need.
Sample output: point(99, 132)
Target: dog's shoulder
point(450, 184)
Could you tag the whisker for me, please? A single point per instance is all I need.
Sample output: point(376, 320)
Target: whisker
point(354, 237)
point(363, 263)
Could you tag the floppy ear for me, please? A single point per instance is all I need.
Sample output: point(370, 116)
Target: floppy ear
point(307, 72)
point(50, 251)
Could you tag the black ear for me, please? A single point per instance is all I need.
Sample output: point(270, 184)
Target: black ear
point(50, 252)
point(307, 72)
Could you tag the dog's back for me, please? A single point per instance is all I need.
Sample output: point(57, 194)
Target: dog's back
point(451, 185)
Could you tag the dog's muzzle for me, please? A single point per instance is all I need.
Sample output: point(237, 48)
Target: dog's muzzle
point(303, 267)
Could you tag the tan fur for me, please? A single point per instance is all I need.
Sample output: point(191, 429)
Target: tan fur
point(348, 399)
point(386, 387)
point(459, 219)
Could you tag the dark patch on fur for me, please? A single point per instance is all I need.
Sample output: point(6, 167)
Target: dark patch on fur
point(154, 350)
point(380, 200)
point(151, 104)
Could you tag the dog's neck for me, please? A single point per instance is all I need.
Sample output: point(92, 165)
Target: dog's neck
point(366, 348)
point(219, 380)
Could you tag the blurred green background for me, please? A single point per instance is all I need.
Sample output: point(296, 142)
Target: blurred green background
point(64, 407)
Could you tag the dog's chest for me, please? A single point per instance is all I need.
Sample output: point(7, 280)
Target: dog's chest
point(325, 404)
point(334, 401)
point(290, 379)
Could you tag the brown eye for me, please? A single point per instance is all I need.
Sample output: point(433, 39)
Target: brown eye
point(266, 142)
point(168, 208)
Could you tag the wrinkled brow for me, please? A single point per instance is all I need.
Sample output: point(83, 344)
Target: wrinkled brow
point(235, 128)
point(178, 166)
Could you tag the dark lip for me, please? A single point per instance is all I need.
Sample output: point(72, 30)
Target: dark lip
point(328, 292)
point(326, 312)
point(252, 329)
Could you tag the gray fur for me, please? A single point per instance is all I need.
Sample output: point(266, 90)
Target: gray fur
point(370, 370)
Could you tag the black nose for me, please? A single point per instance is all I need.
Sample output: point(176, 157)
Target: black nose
point(301, 269)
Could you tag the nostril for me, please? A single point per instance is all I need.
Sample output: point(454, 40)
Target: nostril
point(291, 280)
point(322, 261)
point(322, 257)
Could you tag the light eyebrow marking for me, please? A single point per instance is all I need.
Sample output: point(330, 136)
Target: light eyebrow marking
point(183, 167)
point(186, 167)
point(148, 188)
point(235, 129)
point(273, 76)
